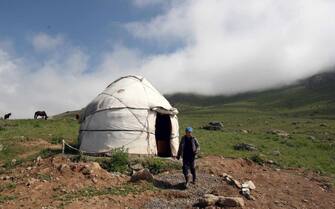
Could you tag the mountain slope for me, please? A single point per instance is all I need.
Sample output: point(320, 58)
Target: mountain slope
point(314, 95)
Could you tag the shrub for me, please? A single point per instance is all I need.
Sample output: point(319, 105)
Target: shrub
point(158, 165)
point(118, 162)
point(45, 153)
point(4, 198)
point(57, 140)
point(259, 158)
point(4, 187)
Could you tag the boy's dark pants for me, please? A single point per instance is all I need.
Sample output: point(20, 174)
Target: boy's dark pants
point(189, 165)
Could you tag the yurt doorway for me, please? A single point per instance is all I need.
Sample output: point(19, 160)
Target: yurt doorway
point(163, 135)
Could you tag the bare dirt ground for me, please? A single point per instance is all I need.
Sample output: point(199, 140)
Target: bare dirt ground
point(57, 182)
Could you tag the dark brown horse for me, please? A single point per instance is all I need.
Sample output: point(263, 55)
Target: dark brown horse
point(7, 116)
point(42, 114)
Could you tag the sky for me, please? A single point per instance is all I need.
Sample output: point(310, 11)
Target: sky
point(58, 55)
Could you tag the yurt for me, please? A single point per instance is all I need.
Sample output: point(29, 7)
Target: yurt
point(130, 113)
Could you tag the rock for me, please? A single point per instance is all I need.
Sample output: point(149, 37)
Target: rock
point(270, 162)
point(237, 184)
point(276, 153)
point(230, 180)
point(245, 190)
point(38, 159)
point(214, 126)
point(29, 168)
point(62, 167)
point(13, 161)
point(311, 138)
point(244, 131)
point(279, 133)
point(143, 174)
point(244, 146)
point(86, 171)
point(208, 200)
point(95, 166)
point(94, 180)
point(323, 125)
point(1, 147)
point(230, 202)
point(31, 181)
point(5, 178)
point(137, 167)
point(250, 184)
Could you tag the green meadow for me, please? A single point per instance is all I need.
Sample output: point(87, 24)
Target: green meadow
point(310, 144)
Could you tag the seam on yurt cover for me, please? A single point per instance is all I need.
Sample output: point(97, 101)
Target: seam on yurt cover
point(148, 136)
point(125, 108)
point(128, 76)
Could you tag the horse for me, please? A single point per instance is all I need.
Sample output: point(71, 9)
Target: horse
point(42, 114)
point(77, 116)
point(7, 116)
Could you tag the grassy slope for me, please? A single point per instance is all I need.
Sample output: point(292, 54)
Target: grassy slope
point(298, 109)
point(15, 133)
point(296, 151)
point(256, 112)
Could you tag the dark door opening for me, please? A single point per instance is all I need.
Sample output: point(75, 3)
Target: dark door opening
point(163, 135)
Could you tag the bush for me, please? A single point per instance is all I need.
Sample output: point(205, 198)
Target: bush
point(57, 140)
point(45, 153)
point(118, 162)
point(158, 165)
point(259, 158)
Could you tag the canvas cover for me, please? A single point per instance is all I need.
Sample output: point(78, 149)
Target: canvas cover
point(124, 115)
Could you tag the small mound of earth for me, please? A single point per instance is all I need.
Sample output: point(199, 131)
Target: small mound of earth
point(176, 196)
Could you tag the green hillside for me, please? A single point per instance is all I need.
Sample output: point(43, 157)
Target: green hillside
point(312, 96)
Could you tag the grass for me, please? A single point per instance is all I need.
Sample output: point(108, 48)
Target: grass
point(89, 192)
point(7, 186)
point(310, 144)
point(5, 198)
point(159, 165)
point(118, 162)
point(298, 150)
point(14, 133)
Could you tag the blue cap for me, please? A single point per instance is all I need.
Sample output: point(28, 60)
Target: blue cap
point(189, 129)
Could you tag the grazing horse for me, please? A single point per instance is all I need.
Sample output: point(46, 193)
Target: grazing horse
point(77, 116)
point(42, 114)
point(7, 116)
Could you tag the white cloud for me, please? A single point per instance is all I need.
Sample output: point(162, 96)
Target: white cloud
point(234, 46)
point(56, 84)
point(225, 47)
point(43, 41)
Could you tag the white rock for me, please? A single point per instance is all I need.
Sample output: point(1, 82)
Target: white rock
point(96, 166)
point(251, 185)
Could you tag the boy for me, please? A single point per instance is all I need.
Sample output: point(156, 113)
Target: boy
point(188, 149)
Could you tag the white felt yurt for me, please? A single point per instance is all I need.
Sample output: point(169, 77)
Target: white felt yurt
point(130, 113)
